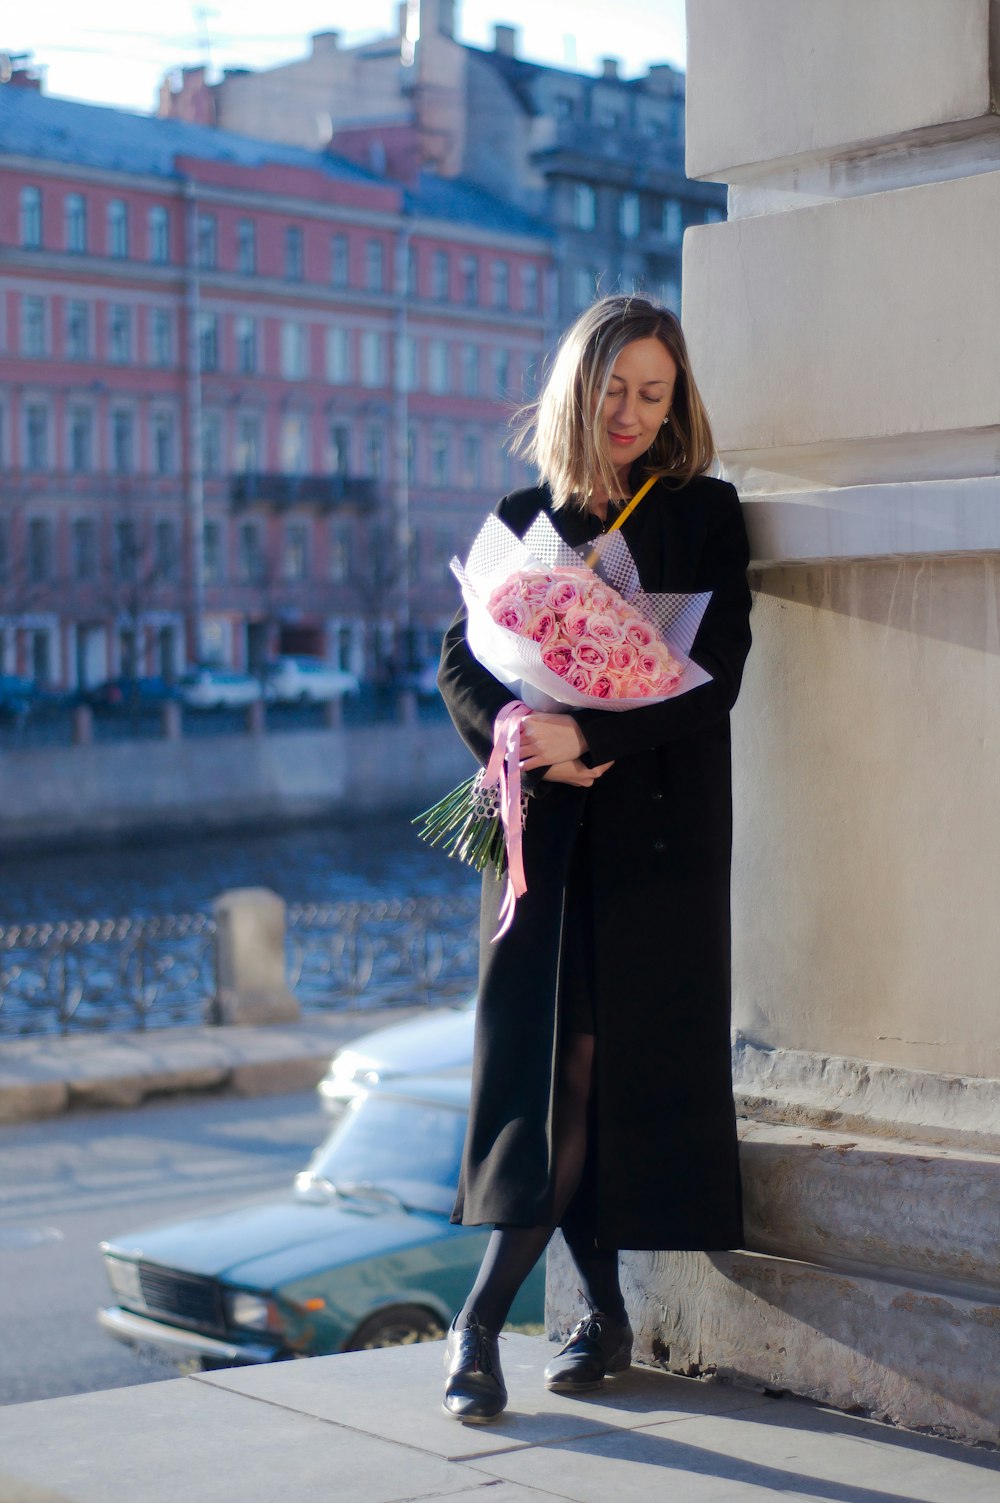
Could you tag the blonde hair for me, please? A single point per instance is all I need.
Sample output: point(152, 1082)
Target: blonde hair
point(557, 433)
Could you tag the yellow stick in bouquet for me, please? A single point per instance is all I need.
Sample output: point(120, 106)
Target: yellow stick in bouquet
point(630, 508)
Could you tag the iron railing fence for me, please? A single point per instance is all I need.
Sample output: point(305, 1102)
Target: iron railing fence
point(142, 973)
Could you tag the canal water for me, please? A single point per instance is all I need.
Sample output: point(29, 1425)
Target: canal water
point(315, 863)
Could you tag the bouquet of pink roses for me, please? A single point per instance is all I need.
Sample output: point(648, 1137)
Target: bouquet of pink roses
point(560, 635)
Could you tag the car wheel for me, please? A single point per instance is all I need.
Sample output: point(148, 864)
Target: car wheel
point(399, 1325)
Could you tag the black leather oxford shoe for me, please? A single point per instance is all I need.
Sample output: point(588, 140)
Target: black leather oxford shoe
point(597, 1346)
point(475, 1389)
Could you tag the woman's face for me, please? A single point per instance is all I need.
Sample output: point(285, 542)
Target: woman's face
point(639, 395)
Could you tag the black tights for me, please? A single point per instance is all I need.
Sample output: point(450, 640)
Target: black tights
point(513, 1251)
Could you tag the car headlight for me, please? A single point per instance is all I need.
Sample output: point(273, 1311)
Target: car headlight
point(255, 1312)
point(124, 1280)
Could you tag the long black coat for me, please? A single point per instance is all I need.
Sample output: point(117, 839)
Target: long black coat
point(654, 936)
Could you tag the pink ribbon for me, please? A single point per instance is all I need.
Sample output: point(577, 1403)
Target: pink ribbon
point(503, 771)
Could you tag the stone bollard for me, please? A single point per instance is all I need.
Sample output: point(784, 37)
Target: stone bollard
point(256, 717)
point(251, 985)
point(333, 714)
point(170, 720)
point(83, 725)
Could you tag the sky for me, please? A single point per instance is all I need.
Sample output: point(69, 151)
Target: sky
point(115, 52)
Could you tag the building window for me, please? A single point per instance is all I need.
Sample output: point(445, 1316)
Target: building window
point(121, 441)
point(406, 357)
point(584, 286)
point(84, 547)
point(412, 271)
point(208, 341)
point(161, 336)
point(470, 280)
point(126, 550)
point(340, 552)
point(294, 444)
point(250, 553)
point(437, 366)
point(77, 330)
point(501, 372)
point(410, 456)
point(629, 215)
point(500, 284)
point(440, 459)
point(246, 247)
point(340, 449)
point(75, 223)
point(338, 356)
point(208, 242)
point(119, 334)
point(375, 266)
point(529, 288)
point(375, 451)
point(293, 253)
point(372, 358)
point(165, 551)
point(163, 443)
point(296, 561)
point(81, 446)
point(246, 345)
point(158, 235)
point(470, 370)
point(39, 549)
point(673, 222)
point(340, 261)
point(212, 553)
point(248, 446)
point(31, 218)
point(118, 228)
point(293, 351)
point(470, 461)
point(33, 341)
point(36, 433)
point(584, 206)
point(441, 276)
point(564, 107)
point(211, 444)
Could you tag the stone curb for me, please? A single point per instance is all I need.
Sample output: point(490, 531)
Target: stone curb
point(45, 1076)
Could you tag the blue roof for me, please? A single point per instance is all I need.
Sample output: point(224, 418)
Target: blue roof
point(466, 203)
point(90, 135)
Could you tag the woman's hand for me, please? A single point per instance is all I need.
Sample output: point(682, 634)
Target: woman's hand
point(576, 773)
point(547, 740)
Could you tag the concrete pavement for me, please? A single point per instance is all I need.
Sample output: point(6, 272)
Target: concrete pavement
point(45, 1075)
point(367, 1427)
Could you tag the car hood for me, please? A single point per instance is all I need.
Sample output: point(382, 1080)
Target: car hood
point(270, 1243)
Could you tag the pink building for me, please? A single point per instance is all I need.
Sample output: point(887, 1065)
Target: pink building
point(252, 397)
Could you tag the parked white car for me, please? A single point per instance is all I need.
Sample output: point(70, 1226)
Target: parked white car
point(304, 680)
point(216, 688)
point(438, 1043)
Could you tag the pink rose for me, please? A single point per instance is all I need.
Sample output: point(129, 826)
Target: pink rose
point(666, 682)
point(579, 678)
point(534, 587)
point(602, 687)
point(601, 598)
point(622, 657)
point(575, 622)
point(604, 628)
point(512, 614)
point(640, 635)
point(590, 654)
point(636, 688)
point(542, 627)
point(648, 664)
point(559, 659)
point(562, 595)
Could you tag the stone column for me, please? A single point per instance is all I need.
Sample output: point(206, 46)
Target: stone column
point(843, 327)
point(250, 965)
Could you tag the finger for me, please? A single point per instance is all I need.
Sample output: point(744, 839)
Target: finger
point(602, 769)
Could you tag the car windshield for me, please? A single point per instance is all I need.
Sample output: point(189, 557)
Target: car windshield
point(411, 1148)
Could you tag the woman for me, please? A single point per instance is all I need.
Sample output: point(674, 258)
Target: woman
point(601, 1089)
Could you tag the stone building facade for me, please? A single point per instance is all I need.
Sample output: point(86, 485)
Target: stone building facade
point(252, 397)
point(600, 160)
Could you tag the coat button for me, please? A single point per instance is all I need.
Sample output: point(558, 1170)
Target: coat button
point(657, 795)
point(659, 845)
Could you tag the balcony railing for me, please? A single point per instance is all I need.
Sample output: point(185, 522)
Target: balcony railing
point(281, 491)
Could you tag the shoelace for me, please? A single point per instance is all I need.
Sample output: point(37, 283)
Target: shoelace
point(482, 1357)
point(590, 1326)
